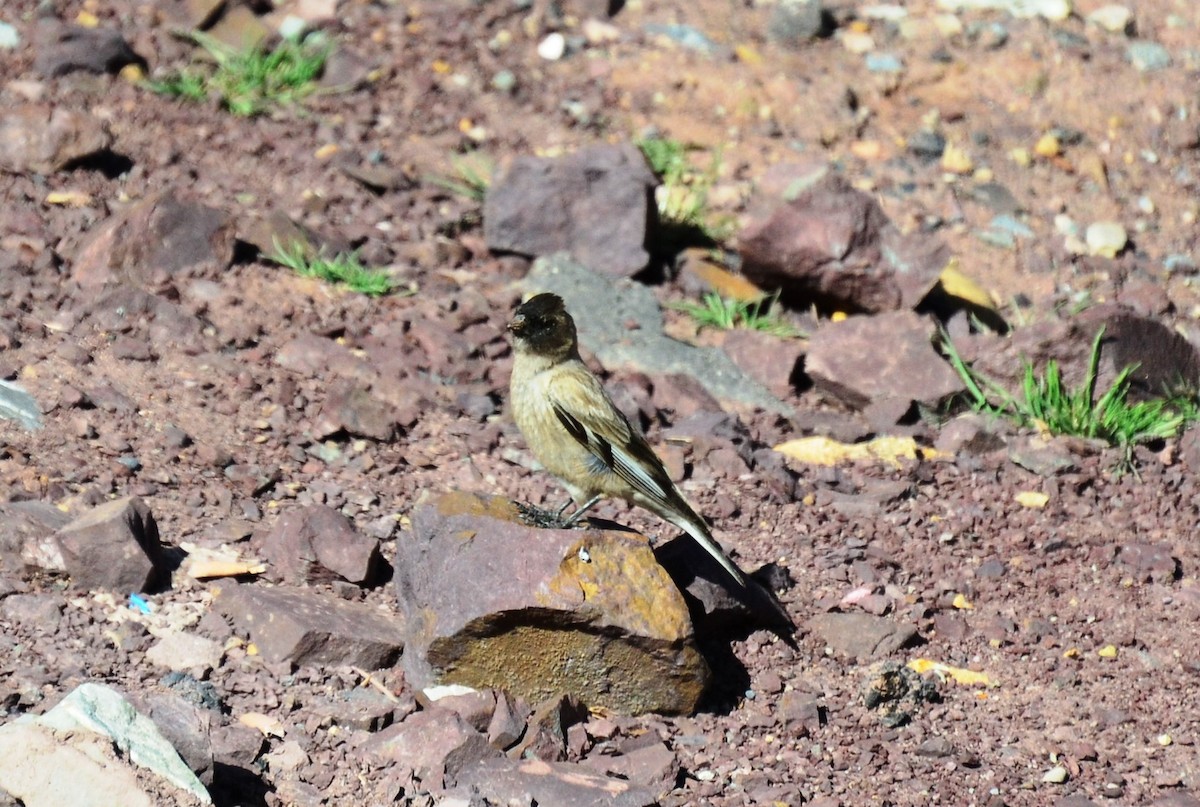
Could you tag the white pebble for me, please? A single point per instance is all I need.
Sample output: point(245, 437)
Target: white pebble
point(1055, 776)
point(553, 47)
point(1112, 18)
point(1106, 238)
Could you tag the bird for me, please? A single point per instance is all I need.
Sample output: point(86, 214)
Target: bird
point(580, 436)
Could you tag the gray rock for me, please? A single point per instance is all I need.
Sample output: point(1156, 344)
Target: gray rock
point(362, 709)
point(601, 310)
point(594, 204)
point(862, 360)
point(795, 22)
point(309, 627)
point(156, 242)
point(436, 744)
point(187, 727)
point(60, 49)
point(114, 546)
point(541, 612)
point(832, 245)
point(561, 784)
point(43, 610)
point(1148, 57)
point(181, 651)
point(18, 405)
point(36, 139)
point(314, 543)
point(861, 636)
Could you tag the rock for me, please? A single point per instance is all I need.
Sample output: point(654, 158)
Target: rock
point(157, 242)
point(60, 735)
point(561, 784)
point(602, 309)
point(186, 727)
point(769, 360)
point(476, 706)
point(316, 543)
point(19, 406)
point(1106, 238)
point(833, 246)
point(436, 744)
point(1112, 18)
point(844, 360)
point(541, 612)
point(861, 636)
point(351, 409)
point(312, 355)
point(182, 652)
point(114, 546)
point(362, 709)
point(1148, 57)
point(795, 22)
point(1148, 562)
point(61, 49)
point(40, 140)
point(275, 231)
point(594, 204)
point(308, 627)
point(42, 610)
point(713, 604)
point(649, 764)
point(894, 692)
point(508, 722)
point(27, 536)
point(547, 729)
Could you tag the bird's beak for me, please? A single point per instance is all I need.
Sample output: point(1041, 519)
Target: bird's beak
point(517, 324)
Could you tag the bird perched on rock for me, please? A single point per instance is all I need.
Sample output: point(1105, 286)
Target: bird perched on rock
point(576, 431)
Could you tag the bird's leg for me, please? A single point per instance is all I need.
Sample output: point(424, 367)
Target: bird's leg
point(579, 511)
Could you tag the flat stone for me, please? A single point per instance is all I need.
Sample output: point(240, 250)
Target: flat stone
point(492, 602)
point(181, 651)
point(113, 546)
point(187, 727)
point(351, 409)
point(156, 242)
point(40, 140)
point(861, 636)
point(436, 744)
point(561, 784)
point(845, 361)
point(651, 765)
point(27, 536)
point(316, 543)
point(303, 626)
point(594, 204)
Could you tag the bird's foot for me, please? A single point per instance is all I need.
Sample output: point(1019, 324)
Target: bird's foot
point(534, 516)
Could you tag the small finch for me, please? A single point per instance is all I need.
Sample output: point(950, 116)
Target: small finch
point(579, 435)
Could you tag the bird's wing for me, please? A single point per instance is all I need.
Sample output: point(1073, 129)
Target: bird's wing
point(589, 416)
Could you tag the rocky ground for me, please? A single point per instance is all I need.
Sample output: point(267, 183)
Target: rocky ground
point(190, 391)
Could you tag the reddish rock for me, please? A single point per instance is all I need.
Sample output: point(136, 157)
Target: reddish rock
point(303, 626)
point(594, 204)
point(832, 245)
point(508, 721)
point(769, 360)
point(845, 360)
point(561, 784)
point(156, 242)
point(351, 409)
point(861, 636)
point(646, 762)
point(548, 727)
point(36, 139)
point(114, 546)
point(541, 612)
point(27, 536)
point(315, 543)
point(436, 744)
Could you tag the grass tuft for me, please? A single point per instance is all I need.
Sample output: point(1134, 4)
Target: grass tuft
point(343, 268)
point(682, 198)
point(472, 176)
point(249, 82)
point(1046, 403)
point(724, 313)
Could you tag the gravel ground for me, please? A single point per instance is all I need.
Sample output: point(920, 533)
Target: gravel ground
point(1082, 613)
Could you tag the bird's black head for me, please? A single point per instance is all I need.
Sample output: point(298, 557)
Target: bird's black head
point(542, 325)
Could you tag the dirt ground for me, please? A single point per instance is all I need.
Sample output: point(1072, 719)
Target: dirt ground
point(1082, 613)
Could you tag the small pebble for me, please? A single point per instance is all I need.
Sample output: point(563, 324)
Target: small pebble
point(9, 37)
point(1183, 264)
point(884, 63)
point(504, 81)
point(1055, 776)
point(1148, 56)
point(553, 47)
point(1106, 238)
point(1114, 18)
point(858, 42)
